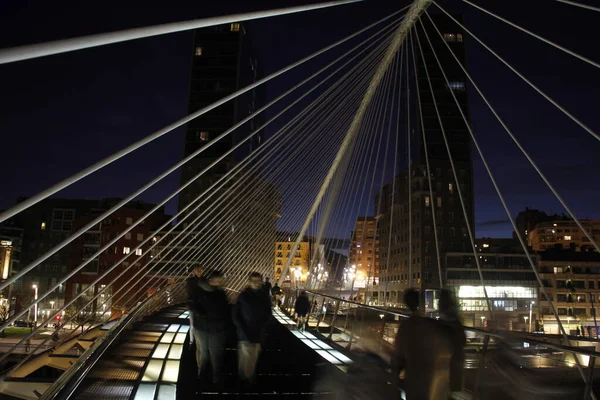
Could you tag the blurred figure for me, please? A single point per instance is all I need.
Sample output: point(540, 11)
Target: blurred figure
point(451, 320)
point(423, 352)
point(267, 286)
point(276, 295)
point(250, 316)
point(210, 325)
point(302, 308)
point(193, 289)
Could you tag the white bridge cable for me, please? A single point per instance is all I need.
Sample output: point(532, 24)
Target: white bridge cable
point(428, 168)
point(309, 130)
point(248, 230)
point(331, 116)
point(394, 173)
point(166, 173)
point(355, 169)
point(340, 178)
point(112, 297)
point(85, 42)
point(534, 87)
point(397, 84)
point(455, 175)
point(379, 124)
point(503, 201)
point(134, 146)
point(293, 135)
point(395, 101)
point(97, 220)
point(139, 246)
point(535, 35)
point(415, 10)
point(533, 164)
point(576, 4)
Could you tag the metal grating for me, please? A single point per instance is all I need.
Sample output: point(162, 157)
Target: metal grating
point(152, 327)
point(125, 370)
point(133, 350)
point(105, 391)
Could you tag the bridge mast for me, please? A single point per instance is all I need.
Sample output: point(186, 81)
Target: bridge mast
point(413, 14)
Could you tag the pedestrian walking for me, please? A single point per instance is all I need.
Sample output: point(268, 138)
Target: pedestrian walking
point(211, 319)
point(302, 308)
point(193, 290)
point(251, 313)
point(423, 352)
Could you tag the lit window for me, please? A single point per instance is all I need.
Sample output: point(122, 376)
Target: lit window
point(138, 252)
point(567, 237)
point(43, 226)
point(128, 235)
point(126, 250)
point(129, 220)
point(427, 200)
point(198, 51)
point(457, 86)
point(235, 27)
point(453, 37)
point(451, 188)
point(140, 237)
point(203, 135)
point(486, 245)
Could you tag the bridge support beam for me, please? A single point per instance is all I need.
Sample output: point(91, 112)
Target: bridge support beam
point(411, 17)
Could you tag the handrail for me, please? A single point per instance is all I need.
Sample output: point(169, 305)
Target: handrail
point(494, 334)
point(64, 387)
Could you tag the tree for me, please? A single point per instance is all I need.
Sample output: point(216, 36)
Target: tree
point(5, 313)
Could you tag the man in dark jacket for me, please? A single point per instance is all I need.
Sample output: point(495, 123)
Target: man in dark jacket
point(302, 308)
point(211, 318)
point(250, 316)
point(193, 288)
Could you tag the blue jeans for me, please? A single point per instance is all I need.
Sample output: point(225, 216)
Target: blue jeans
point(212, 349)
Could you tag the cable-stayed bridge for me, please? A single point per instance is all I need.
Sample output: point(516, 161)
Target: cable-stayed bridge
point(381, 127)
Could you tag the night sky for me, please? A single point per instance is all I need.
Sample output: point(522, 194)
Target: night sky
point(59, 114)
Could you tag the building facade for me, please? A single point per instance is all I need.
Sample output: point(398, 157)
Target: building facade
point(510, 282)
point(298, 271)
point(572, 281)
point(564, 234)
point(408, 255)
point(121, 284)
point(364, 252)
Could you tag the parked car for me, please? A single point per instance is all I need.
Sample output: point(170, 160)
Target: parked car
point(21, 324)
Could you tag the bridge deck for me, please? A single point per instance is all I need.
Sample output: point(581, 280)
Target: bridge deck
point(153, 360)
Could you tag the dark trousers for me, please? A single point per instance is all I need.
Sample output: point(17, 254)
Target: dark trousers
point(212, 349)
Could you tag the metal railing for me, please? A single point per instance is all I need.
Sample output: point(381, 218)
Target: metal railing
point(69, 381)
point(351, 324)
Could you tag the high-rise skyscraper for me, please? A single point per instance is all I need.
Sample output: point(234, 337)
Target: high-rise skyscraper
point(222, 63)
point(408, 251)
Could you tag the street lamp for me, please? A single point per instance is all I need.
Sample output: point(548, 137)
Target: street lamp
point(52, 305)
point(482, 319)
point(35, 309)
point(531, 314)
point(526, 318)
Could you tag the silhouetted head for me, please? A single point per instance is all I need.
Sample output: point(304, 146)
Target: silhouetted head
point(411, 298)
point(303, 293)
point(255, 280)
point(266, 279)
point(215, 278)
point(198, 271)
point(448, 306)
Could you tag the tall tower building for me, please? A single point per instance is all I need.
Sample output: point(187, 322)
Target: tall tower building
point(408, 254)
point(222, 63)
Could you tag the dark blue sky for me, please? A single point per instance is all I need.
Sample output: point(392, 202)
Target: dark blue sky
point(59, 114)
